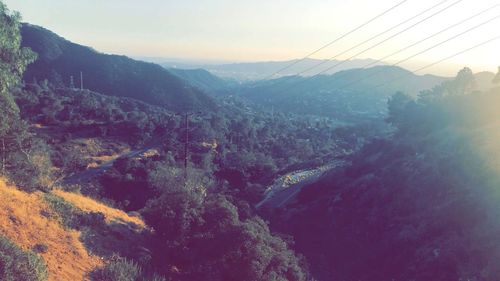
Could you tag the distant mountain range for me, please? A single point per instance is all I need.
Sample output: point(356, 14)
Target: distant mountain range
point(58, 59)
point(334, 96)
point(253, 71)
point(349, 96)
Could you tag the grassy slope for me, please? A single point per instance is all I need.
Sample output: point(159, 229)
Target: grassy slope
point(27, 220)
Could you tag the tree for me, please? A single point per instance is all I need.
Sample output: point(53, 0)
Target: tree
point(496, 80)
point(464, 83)
point(207, 239)
point(13, 62)
point(397, 105)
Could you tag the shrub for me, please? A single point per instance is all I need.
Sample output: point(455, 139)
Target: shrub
point(92, 219)
point(71, 217)
point(40, 248)
point(119, 269)
point(18, 265)
point(66, 211)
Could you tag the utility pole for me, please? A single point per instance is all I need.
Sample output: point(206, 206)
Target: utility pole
point(186, 142)
point(71, 83)
point(81, 80)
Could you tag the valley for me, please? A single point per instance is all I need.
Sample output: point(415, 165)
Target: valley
point(117, 169)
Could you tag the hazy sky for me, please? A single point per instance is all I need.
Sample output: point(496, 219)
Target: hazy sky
point(260, 30)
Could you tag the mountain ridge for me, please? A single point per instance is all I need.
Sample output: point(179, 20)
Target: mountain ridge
point(252, 71)
point(348, 94)
point(109, 74)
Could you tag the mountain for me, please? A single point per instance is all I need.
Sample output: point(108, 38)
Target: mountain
point(203, 80)
point(348, 95)
point(59, 59)
point(252, 71)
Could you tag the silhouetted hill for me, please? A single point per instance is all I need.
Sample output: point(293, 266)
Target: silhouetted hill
point(108, 74)
point(203, 80)
point(330, 95)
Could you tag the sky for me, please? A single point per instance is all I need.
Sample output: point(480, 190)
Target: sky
point(269, 30)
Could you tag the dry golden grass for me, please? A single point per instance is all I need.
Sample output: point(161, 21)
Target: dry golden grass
point(27, 220)
point(108, 158)
point(21, 220)
point(89, 205)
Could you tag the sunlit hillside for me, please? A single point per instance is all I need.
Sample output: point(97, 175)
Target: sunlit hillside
point(28, 220)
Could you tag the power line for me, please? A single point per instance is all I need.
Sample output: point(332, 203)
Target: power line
point(426, 50)
point(439, 61)
point(449, 39)
point(414, 44)
point(432, 36)
point(385, 40)
point(371, 38)
point(391, 37)
point(338, 39)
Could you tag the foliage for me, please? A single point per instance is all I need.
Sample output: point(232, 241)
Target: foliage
point(242, 146)
point(416, 206)
point(19, 265)
point(496, 80)
point(65, 210)
point(20, 153)
point(40, 248)
point(70, 216)
point(222, 246)
point(13, 61)
point(121, 269)
point(118, 269)
point(397, 105)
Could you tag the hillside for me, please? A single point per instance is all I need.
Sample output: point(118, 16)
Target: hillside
point(30, 220)
point(328, 95)
point(203, 80)
point(421, 205)
point(59, 59)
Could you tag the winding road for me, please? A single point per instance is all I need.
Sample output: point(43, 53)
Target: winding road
point(287, 187)
point(90, 173)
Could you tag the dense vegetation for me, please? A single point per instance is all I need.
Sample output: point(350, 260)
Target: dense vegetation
point(19, 265)
point(420, 205)
point(237, 144)
point(206, 213)
point(233, 153)
point(19, 151)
